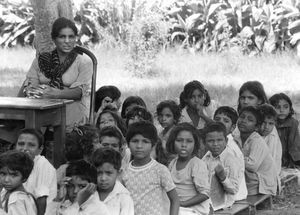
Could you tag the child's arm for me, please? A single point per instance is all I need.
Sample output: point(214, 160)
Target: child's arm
point(257, 154)
point(41, 204)
point(199, 198)
point(200, 109)
point(174, 202)
point(294, 141)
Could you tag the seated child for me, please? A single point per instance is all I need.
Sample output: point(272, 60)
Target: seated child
point(15, 168)
point(287, 127)
point(42, 182)
point(224, 168)
point(146, 179)
point(81, 198)
point(189, 173)
point(260, 170)
point(129, 102)
point(228, 116)
point(269, 132)
point(110, 118)
point(114, 195)
point(138, 113)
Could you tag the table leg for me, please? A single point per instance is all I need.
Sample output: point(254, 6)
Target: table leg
point(31, 120)
point(59, 139)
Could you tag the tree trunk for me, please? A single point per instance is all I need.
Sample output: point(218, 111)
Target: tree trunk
point(45, 13)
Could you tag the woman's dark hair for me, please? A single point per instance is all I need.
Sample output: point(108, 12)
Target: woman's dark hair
point(172, 106)
point(256, 88)
point(139, 111)
point(17, 161)
point(255, 111)
point(129, 101)
point(174, 133)
point(34, 132)
point(274, 100)
point(119, 121)
point(144, 128)
point(61, 23)
point(82, 169)
point(113, 131)
point(106, 91)
point(111, 156)
point(188, 90)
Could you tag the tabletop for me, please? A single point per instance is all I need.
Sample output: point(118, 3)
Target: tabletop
point(27, 103)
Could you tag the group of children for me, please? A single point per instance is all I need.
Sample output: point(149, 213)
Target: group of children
point(201, 160)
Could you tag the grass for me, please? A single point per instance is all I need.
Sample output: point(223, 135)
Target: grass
point(222, 74)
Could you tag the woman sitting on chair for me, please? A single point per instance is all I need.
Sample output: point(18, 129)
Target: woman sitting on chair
point(62, 74)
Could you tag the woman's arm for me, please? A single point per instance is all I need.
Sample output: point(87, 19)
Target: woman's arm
point(66, 93)
point(199, 198)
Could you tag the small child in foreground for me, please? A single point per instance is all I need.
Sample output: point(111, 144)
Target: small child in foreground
point(146, 179)
point(114, 195)
point(15, 168)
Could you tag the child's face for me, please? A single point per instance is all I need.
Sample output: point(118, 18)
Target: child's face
point(248, 99)
point(283, 109)
point(96, 143)
point(166, 118)
point(184, 144)
point(134, 119)
point(74, 185)
point(215, 142)
point(267, 126)
point(247, 122)
point(10, 179)
point(107, 142)
point(197, 99)
point(225, 120)
point(29, 143)
point(140, 147)
point(106, 177)
point(106, 119)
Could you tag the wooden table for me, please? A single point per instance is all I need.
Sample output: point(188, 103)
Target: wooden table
point(38, 113)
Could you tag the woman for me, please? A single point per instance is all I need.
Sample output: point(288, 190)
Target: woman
point(62, 74)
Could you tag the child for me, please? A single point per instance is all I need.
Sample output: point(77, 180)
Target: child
point(114, 195)
point(15, 168)
point(260, 170)
point(81, 197)
point(110, 118)
point(287, 127)
point(42, 182)
point(228, 117)
point(194, 102)
point(189, 173)
point(138, 113)
point(224, 168)
point(269, 132)
point(146, 179)
point(129, 103)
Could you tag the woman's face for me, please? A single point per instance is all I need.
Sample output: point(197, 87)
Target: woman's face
point(248, 99)
point(65, 41)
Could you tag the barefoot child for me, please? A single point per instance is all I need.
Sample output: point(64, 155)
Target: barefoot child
point(15, 168)
point(111, 192)
point(146, 179)
point(189, 173)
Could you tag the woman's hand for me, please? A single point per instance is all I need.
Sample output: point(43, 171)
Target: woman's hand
point(48, 92)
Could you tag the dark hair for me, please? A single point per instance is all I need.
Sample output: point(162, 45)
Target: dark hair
point(255, 111)
point(111, 156)
point(188, 90)
point(82, 169)
point(274, 100)
point(229, 112)
point(73, 150)
point(112, 131)
point(139, 111)
point(212, 127)
point(256, 88)
point(172, 106)
point(174, 133)
point(37, 133)
point(267, 111)
point(17, 161)
point(106, 91)
point(144, 128)
point(61, 23)
point(119, 121)
point(132, 100)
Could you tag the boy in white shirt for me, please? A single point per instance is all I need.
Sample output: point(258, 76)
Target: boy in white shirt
point(42, 181)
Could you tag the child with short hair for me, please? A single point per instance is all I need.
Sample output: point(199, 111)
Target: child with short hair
point(114, 195)
point(224, 168)
point(189, 173)
point(269, 132)
point(287, 127)
point(228, 117)
point(130, 102)
point(15, 168)
point(260, 170)
point(81, 197)
point(146, 179)
point(110, 118)
point(42, 182)
point(138, 113)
